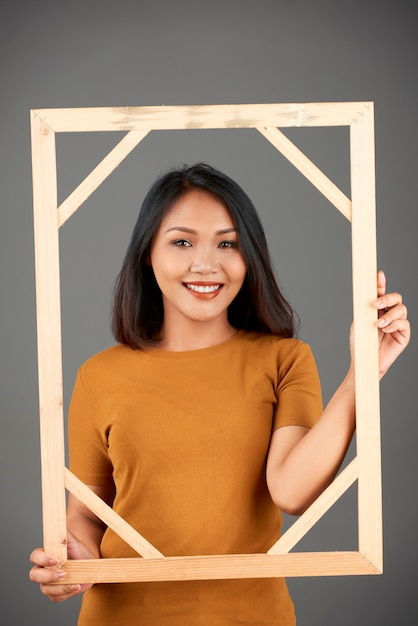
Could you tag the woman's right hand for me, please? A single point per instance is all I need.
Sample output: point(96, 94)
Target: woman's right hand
point(47, 573)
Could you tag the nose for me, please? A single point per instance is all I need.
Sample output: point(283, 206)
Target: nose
point(205, 263)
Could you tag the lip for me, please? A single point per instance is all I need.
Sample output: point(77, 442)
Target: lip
point(213, 289)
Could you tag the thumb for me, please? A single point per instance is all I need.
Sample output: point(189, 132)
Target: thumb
point(76, 549)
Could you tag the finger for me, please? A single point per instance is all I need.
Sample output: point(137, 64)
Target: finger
point(58, 593)
point(388, 316)
point(388, 301)
point(399, 327)
point(39, 557)
point(46, 575)
point(381, 283)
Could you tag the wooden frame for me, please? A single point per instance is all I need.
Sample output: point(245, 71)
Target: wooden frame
point(48, 217)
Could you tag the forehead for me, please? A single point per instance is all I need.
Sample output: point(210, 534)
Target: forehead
point(198, 208)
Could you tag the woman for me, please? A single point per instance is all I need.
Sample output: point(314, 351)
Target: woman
point(205, 421)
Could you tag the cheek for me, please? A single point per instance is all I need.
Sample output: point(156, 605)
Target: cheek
point(240, 270)
point(166, 267)
point(237, 277)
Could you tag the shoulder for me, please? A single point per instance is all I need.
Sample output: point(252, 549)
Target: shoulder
point(278, 345)
point(109, 355)
point(108, 363)
point(283, 355)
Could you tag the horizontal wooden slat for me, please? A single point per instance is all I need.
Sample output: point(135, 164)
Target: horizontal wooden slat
point(201, 116)
point(219, 567)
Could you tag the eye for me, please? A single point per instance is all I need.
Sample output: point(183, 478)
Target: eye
point(228, 244)
point(181, 243)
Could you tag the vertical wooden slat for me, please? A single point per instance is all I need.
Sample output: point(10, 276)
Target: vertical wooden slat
point(366, 337)
point(49, 337)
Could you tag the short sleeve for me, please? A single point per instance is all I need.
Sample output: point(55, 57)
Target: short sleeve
point(87, 444)
point(299, 398)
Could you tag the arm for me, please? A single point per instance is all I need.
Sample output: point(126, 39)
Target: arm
point(301, 463)
point(85, 532)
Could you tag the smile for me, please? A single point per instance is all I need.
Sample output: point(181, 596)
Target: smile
point(203, 288)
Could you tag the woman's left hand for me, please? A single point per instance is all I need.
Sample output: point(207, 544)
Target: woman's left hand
point(393, 325)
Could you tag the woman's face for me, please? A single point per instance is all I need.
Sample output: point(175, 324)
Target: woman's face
point(196, 260)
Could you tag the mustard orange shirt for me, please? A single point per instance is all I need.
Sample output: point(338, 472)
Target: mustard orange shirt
point(185, 436)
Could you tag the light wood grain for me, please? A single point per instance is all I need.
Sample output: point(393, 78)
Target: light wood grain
point(47, 218)
point(220, 567)
point(366, 336)
point(201, 116)
point(49, 338)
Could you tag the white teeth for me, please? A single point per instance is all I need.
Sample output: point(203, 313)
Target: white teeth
point(203, 288)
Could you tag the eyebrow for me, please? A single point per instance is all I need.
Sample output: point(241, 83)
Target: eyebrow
point(184, 229)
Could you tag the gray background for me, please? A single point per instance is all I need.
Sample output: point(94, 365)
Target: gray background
point(101, 53)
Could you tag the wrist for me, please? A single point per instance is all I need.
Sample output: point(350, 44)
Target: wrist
point(349, 379)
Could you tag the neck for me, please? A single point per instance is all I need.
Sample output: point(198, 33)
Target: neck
point(195, 336)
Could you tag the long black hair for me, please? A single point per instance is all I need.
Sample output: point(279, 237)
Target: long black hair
point(138, 306)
